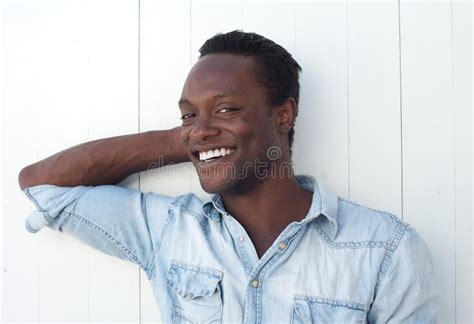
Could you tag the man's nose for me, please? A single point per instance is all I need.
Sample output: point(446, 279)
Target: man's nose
point(203, 129)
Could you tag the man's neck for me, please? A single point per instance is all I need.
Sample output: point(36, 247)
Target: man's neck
point(268, 208)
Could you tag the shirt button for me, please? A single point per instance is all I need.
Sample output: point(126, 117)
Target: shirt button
point(282, 245)
point(255, 283)
point(215, 215)
point(241, 238)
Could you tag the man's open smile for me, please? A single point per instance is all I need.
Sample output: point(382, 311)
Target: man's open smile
point(212, 153)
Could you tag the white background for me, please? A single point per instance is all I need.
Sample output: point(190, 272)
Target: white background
point(385, 119)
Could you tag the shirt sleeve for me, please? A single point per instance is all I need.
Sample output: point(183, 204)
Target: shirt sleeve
point(406, 292)
point(109, 218)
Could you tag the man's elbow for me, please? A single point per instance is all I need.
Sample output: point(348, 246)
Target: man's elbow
point(25, 177)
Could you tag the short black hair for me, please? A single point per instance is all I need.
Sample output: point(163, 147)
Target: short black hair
point(275, 68)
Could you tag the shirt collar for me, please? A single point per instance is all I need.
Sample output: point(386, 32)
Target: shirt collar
point(324, 203)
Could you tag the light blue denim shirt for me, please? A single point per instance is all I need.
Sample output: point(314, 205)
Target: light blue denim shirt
point(342, 263)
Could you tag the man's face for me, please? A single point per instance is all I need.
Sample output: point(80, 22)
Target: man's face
point(224, 108)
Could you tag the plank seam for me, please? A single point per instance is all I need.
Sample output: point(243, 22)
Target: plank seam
point(139, 130)
point(401, 108)
point(347, 106)
point(190, 34)
point(454, 156)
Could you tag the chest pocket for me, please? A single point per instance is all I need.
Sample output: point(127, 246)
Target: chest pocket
point(197, 293)
point(308, 309)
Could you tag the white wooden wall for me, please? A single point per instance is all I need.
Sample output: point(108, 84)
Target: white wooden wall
point(385, 120)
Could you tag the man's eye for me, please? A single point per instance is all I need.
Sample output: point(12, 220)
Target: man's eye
point(227, 109)
point(187, 116)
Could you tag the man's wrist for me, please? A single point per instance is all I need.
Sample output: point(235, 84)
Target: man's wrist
point(178, 147)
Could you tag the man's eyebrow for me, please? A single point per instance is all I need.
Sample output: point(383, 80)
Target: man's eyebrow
point(217, 96)
point(183, 101)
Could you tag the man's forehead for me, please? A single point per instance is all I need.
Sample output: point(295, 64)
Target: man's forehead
point(219, 75)
point(223, 67)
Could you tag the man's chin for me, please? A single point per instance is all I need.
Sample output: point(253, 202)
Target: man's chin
point(212, 186)
point(225, 186)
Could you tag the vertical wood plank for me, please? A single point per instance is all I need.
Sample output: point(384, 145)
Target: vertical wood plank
point(63, 79)
point(427, 121)
point(374, 105)
point(321, 134)
point(164, 64)
point(462, 64)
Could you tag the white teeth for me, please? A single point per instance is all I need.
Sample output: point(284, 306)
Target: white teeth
point(214, 153)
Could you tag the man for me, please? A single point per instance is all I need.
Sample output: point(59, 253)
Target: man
point(269, 246)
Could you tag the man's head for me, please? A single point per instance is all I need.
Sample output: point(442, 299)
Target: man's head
point(276, 70)
point(240, 98)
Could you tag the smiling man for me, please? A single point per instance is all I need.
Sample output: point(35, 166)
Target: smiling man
point(269, 246)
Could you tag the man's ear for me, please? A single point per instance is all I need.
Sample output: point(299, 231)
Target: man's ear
point(286, 115)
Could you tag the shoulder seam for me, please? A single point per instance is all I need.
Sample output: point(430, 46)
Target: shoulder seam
point(351, 244)
point(392, 216)
point(150, 267)
point(387, 244)
point(397, 237)
point(169, 216)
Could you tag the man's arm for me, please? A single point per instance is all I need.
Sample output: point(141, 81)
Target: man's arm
point(72, 194)
point(106, 161)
